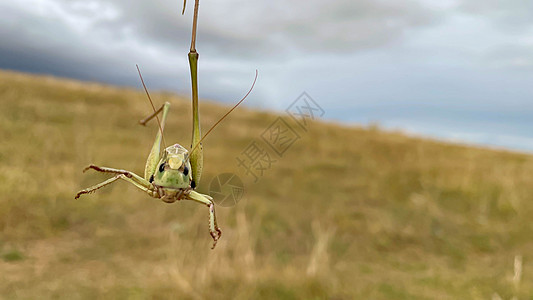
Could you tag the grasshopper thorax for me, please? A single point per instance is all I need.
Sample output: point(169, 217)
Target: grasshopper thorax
point(174, 169)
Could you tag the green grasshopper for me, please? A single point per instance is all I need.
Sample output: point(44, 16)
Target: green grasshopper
point(172, 174)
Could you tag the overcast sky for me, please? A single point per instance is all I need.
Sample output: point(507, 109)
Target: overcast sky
point(460, 70)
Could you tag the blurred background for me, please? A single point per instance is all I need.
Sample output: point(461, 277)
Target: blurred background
point(371, 200)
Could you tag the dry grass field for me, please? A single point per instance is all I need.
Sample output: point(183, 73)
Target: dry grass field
point(346, 213)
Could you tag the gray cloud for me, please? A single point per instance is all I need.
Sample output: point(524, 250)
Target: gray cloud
point(102, 40)
point(351, 25)
point(512, 56)
point(260, 28)
point(507, 14)
point(427, 60)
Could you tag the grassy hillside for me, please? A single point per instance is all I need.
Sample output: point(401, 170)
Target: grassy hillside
point(345, 213)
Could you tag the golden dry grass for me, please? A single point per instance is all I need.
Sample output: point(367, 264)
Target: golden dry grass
point(346, 213)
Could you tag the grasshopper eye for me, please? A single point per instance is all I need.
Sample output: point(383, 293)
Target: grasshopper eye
point(162, 167)
point(185, 171)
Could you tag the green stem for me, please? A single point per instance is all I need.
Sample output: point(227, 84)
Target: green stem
point(196, 148)
point(193, 63)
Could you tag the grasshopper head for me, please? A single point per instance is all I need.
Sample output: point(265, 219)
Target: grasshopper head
point(174, 168)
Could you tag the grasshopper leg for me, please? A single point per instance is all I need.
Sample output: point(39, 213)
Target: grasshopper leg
point(111, 180)
point(215, 232)
point(127, 174)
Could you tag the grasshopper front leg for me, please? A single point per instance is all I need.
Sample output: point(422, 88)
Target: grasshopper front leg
point(128, 174)
point(144, 186)
point(215, 232)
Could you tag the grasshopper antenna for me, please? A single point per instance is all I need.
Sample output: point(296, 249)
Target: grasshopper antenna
point(224, 116)
point(153, 107)
point(184, 4)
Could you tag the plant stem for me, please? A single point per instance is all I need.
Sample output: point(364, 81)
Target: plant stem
point(196, 150)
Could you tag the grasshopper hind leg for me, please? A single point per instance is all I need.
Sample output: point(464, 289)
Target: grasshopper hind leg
point(215, 232)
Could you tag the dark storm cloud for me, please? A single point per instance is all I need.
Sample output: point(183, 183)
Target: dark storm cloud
point(264, 29)
point(102, 40)
point(465, 54)
point(37, 40)
point(160, 24)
